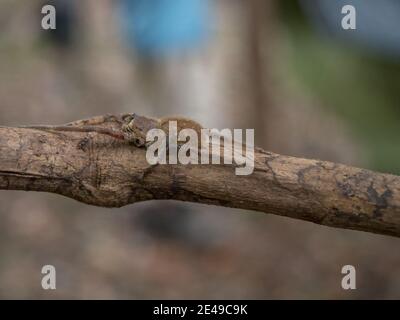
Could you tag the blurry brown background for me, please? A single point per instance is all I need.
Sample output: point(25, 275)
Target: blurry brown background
point(262, 67)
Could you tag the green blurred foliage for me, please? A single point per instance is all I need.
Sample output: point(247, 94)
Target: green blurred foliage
point(361, 88)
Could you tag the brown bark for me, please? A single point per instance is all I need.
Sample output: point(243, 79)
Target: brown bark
point(102, 171)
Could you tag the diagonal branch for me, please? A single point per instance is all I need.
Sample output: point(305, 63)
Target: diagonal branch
point(99, 170)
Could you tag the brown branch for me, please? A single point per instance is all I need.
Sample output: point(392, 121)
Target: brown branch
point(102, 171)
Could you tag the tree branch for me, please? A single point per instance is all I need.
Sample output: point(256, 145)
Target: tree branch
point(102, 171)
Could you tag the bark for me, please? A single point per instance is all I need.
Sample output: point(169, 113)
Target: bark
point(102, 171)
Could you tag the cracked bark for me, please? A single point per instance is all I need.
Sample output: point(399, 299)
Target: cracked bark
point(102, 171)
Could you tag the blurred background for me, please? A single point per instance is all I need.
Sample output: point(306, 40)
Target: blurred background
point(286, 68)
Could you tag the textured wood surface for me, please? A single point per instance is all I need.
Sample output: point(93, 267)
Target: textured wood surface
point(102, 171)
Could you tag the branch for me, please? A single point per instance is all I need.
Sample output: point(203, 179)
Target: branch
point(99, 170)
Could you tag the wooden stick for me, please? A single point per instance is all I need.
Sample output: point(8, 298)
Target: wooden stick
point(99, 170)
